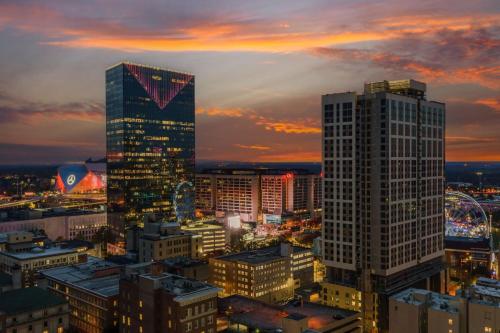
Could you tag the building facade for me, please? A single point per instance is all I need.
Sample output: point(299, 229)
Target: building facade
point(66, 225)
point(237, 193)
point(25, 266)
point(159, 241)
point(33, 310)
point(92, 292)
point(155, 301)
point(419, 311)
point(258, 194)
point(268, 274)
point(214, 238)
point(150, 144)
point(205, 193)
point(383, 162)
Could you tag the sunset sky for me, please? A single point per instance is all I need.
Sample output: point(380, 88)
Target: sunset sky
point(261, 68)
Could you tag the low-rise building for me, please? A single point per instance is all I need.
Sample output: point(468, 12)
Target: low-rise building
point(466, 260)
point(302, 261)
point(58, 224)
point(264, 274)
point(92, 291)
point(33, 310)
point(214, 237)
point(417, 311)
point(28, 264)
point(155, 301)
point(190, 268)
point(345, 297)
point(20, 241)
point(160, 241)
point(484, 306)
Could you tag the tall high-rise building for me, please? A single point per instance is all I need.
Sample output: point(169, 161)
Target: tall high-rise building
point(150, 135)
point(383, 162)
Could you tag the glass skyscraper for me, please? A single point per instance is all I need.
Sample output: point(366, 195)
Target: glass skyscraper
point(150, 139)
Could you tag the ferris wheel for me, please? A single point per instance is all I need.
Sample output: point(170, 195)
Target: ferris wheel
point(465, 217)
point(184, 201)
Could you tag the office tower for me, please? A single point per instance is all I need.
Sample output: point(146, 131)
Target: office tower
point(383, 162)
point(150, 144)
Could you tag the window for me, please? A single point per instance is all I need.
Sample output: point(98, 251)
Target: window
point(450, 321)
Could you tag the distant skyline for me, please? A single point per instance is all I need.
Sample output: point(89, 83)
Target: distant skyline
point(260, 66)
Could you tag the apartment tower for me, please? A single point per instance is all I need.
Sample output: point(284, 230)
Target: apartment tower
point(383, 201)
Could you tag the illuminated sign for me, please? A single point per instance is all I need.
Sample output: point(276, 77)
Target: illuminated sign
point(71, 179)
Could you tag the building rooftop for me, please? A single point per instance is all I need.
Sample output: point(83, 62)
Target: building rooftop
point(35, 214)
point(440, 302)
point(467, 243)
point(252, 257)
point(27, 300)
point(97, 276)
point(38, 252)
point(180, 287)
point(257, 314)
point(486, 291)
point(148, 66)
point(202, 226)
point(184, 262)
point(260, 255)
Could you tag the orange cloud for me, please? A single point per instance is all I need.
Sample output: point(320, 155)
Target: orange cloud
point(288, 127)
point(212, 41)
point(253, 147)
point(468, 139)
point(216, 112)
point(216, 34)
point(424, 23)
point(302, 126)
point(493, 103)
